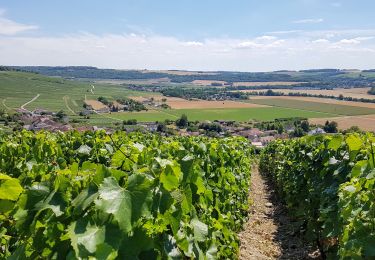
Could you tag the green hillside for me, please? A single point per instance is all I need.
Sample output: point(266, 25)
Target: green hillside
point(18, 88)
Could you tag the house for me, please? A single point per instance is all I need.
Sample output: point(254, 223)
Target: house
point(251, 133)
point(316, 131)
point(103, 110)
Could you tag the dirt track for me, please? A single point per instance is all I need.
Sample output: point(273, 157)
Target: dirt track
point(270, 233)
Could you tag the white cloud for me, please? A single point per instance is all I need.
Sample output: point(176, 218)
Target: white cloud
point(266, 38)
point(349, 41)
point(133, 51)
point(303, 21)
point(9, 27)
point(193, 43)
point(321, 41)
point(248, 44)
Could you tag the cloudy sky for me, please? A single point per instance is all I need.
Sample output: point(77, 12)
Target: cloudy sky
point(242, 35)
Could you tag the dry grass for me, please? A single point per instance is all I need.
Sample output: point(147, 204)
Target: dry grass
point(366, 123)
point(319, 100)
point(95, 104)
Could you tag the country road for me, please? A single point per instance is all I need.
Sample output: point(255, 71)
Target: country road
point(32, 100)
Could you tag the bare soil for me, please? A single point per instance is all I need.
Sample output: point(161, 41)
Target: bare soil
point(270, 233)
point(366, 122)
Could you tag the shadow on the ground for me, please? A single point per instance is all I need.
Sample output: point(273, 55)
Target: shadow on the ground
point(288, 235)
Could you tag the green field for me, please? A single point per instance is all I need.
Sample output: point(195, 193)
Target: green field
point(56, 94)
point(333, 109)
point(237, 114)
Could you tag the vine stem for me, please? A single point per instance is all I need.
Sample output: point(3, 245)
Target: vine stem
point(119, 149)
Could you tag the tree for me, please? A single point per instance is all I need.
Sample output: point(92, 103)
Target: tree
point(182, 122)
point(298, 132)
point(280, 129)
point(60, 115)
point(305, 125)
point(330, 127)
point(161, 127)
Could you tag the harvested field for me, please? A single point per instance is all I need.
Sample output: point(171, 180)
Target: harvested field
point(366, 123)
point(337, 109)
point(202, 104)
point(96, 105)
point(207, 82)
point(271, 83)
point(318, 100)
point(179, 72)
point(133, 81)
point(351, 92)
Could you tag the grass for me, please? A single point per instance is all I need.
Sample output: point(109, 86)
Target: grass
point(18, 87)
point(334, 109)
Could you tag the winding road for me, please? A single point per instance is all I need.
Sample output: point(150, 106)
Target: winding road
point(32, 100)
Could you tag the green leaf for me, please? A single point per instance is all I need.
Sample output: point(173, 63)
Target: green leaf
point(85, 237)
point(85, 199)
point(354, 142)
point(200, 229)
point(335, 142)
point(139, 187)
point(116, 201)
point(170, 177)
point(84, 149)
point(10, 189)
point(105, 251)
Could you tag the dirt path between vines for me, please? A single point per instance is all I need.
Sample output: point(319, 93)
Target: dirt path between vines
point(269, 232)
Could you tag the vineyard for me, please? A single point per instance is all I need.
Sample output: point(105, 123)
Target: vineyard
point(327, 183)
point(139, 196)
point(144, 196)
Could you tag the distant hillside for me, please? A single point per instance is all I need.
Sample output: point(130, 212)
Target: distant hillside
point(316, 78)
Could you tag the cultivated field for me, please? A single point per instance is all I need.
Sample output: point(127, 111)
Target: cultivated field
point(180, 72)
point(95, 104)
point(317, 100)
point(180, 103)
point(270, 83)
point(202, 104)
point(366, 123)
point(352, 92)
point(247, 84)
point(337, 109)
point(238, 114)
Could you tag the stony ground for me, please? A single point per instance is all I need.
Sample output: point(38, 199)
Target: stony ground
point(270, 233)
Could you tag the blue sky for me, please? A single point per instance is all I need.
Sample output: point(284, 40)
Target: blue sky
point(202, 35)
